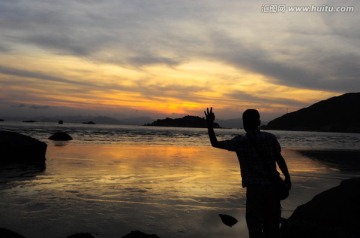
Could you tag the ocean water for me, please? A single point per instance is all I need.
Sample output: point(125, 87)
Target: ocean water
point(111, 180)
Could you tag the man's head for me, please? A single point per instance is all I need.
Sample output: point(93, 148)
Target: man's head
point(251, 119)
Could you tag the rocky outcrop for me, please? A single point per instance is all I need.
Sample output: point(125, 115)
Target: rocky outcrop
point(337, 114)
point(60, 136)
point(187, 121)
point(15, 147)
point(331, 214)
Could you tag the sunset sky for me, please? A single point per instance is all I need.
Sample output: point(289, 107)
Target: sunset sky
point(129, 58)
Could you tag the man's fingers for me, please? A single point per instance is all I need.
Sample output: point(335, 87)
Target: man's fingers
point(208, 111)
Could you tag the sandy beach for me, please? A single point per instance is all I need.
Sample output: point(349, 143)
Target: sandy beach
point(173, 191)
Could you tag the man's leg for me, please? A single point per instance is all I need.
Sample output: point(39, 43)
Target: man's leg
point(272, 215)
point(255, 211)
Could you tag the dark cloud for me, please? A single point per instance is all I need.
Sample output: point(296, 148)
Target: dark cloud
point(313, 51)
point(31, 106)
point(242, 96)
point(151, 60)
point(39, 107)
point(4, 48)
point(37, 75)
point(21, 105)
point(315, 68)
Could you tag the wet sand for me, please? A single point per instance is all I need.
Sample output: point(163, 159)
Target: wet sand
point(173, 191)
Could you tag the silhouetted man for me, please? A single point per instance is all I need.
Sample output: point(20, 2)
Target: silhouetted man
point(258, 152)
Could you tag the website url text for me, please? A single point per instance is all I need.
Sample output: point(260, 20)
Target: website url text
point(282, 8)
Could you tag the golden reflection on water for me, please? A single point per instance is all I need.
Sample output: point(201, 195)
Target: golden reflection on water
point(174, 191)
point(199, 177)
point(188, 175)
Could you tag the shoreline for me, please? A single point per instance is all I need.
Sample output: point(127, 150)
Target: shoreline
point(348, 160)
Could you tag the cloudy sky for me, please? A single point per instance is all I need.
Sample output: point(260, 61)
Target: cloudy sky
point(158, 58)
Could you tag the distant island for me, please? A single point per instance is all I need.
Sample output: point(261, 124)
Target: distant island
point(336, 114)
point(187, 121)
point(89, 122)
point(29, 121)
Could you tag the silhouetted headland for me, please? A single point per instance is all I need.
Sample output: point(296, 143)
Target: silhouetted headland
point(60, 136)
point(187, 121)
point(15, 147)
point(336, 114)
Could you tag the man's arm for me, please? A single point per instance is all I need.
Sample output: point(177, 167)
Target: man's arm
point(210, 118)
point(284, 169)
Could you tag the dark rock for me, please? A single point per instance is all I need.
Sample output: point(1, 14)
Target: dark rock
point(60, 136)
point(228, 220)
point(89, 122)
point(6, 233)
point(29, 121)
point(331, 214)
point(61, 122)
point(15, 147)
point(81, 235)
point(139, 234)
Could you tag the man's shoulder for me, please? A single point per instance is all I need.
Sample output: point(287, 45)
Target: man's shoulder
point(268, 135)
point(238, 137)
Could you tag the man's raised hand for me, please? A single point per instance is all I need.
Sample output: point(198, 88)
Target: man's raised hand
point(210, 116)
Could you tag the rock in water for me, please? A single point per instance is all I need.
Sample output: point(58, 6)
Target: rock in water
point(60, 136)
point(331, 214)
point(228, 220)
point(139, 234)
point(81, 235)
point(15, 147)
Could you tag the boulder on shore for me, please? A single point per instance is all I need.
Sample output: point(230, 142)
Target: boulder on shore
point(81, 235)
point(331, 214)
point(6, 233)
point(15, 147)
point(60, 136)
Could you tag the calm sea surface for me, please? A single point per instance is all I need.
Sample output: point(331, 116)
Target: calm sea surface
point(120, 134)
point(110, 180)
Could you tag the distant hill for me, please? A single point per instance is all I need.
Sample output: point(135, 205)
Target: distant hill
point(187, 121)
point(336, 114)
